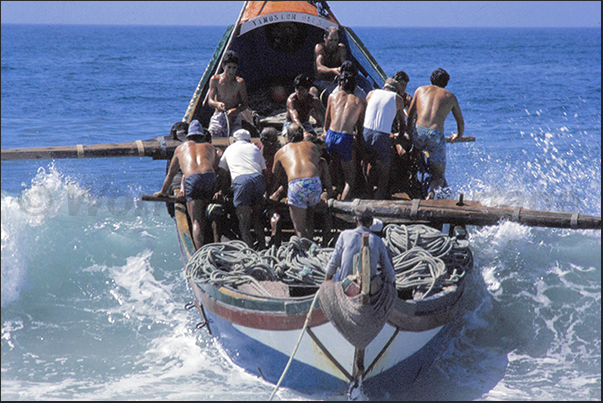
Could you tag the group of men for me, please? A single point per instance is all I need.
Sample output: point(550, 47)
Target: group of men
point(300, 167)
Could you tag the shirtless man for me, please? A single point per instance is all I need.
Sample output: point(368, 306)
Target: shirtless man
point(198, 161)
point(328, 57)
point(301, 105)
point(429, 108)
point(301, 163)
point(382, 108)
point(228, 96)
point(345, 112)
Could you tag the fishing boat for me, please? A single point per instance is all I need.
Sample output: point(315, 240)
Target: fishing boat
point(272, 312)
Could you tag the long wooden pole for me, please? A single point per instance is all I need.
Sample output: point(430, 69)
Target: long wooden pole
point(465, 212)
point(449, 211)
point(161, 148)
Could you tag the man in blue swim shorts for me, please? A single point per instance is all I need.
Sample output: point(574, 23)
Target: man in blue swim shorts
point(344, 116)
point(429, 108)
point(301, 164)
point(198, 160)
point(382, 107)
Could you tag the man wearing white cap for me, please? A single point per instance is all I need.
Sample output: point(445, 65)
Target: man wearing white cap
point(246, 165)
point(198, 161)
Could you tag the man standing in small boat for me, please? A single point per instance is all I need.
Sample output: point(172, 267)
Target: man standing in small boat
point(301, 105)
point(328, 58)
point(383, 106)
point(198, 160)
point(299, 162)
point(349, 244)
point(228, 96)
point(246, 165)
point(344, 116)
point(429, 108)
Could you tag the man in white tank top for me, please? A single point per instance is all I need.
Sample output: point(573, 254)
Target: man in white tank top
point(383, 106)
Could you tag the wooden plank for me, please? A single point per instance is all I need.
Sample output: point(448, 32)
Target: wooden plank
point(468, 213)
point(157, 148)
point(164, 199)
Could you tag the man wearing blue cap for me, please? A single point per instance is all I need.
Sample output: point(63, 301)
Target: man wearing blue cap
point(198, 161)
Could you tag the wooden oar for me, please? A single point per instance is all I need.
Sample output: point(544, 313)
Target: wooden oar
point(464, 139)
point(166, 199)
point(465, 212)
point(159, 148)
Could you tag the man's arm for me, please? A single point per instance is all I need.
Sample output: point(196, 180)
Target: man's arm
point(335, 261)
point(213, 94)
point(172, 171)
point(412, 114)
point(316, 106)
point(275, 188)
point(460, 122)
point(327, 123)
point(244, 100)
point(360, 121)
point(325, 177)
point(292, 105)
point(400, 114)
point(321, 69)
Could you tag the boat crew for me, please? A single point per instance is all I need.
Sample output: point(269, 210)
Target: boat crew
point(246, 165)
point(299, 163)
point(344, 116)
point(349, 244)
point(429, 108)
point(383, 107)
point(328, 58)
point(228, 96)
point(198, 161)
point(301, 104)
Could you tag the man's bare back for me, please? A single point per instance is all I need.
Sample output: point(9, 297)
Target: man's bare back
point(298, 160)
point(432, 105)
point(345, 111)
point(196, 158)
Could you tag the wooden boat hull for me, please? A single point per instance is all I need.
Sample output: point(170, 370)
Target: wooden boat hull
point(262, 340)
point(259, 333)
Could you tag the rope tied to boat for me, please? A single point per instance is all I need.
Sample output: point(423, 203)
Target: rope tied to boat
point(425, 262)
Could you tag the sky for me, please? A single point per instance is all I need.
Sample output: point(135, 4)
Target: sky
point(350, 13)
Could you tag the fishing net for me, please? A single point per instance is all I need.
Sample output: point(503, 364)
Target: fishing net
point(358, 322)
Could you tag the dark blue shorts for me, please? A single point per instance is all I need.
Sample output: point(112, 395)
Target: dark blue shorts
point(200, 186)
point(249, 190)
point(339, 144)
point(377, 143)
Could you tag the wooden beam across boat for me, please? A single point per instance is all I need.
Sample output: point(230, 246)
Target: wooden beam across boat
point(158, 148)
point(465, 212)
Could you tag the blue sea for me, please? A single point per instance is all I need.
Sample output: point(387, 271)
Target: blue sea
point(93, 291)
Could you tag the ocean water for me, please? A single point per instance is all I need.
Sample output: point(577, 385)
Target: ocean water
point(93, 291)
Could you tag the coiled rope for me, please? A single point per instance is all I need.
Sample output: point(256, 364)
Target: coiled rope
point(425, 261)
